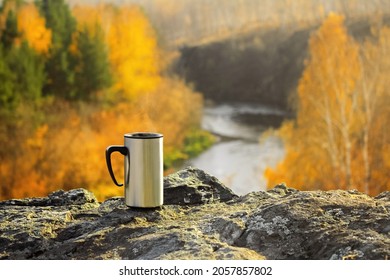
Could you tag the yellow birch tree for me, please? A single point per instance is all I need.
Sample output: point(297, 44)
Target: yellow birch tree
point(320, 143)
point(33, 29)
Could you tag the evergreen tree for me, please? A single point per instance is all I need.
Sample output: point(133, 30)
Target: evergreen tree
point(22, 78)
point(28, 68)
point(60, 66)
point(93, 71)
point(10, 32)
point(7, 83)
point(21, 68)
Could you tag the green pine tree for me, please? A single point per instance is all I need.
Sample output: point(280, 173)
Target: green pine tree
point(8, 100)
point(61, 64)
point(21, 68)
point(93, 65)
point(28, 68)
point(10, 32)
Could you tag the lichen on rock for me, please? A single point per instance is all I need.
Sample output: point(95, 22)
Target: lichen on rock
point(200, 219)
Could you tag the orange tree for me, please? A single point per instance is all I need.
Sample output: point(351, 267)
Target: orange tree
point(332, 142)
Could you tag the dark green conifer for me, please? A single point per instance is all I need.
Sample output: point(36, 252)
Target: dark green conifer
point(93, 70)
point(61, 64)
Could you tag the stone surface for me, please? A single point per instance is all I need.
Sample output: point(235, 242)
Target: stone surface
point(200, 219)
point(194, 186)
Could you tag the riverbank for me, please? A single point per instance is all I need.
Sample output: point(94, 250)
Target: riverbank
point(238, 158)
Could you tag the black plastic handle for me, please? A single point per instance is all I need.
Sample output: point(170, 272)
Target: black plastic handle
point(123, 150)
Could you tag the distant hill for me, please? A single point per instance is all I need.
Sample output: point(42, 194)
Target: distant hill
point(190, 22)
point(262, 66)
point(247, 50)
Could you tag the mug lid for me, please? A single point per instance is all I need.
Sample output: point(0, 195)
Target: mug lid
point(143, 135)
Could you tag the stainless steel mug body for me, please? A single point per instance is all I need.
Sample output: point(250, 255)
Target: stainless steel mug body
point(143, 169)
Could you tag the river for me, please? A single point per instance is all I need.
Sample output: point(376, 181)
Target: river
point(239, 158)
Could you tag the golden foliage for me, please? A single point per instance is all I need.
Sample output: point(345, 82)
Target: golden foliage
point(66, 149)
point(133, 50)
point(339, 135)
point(32, 27)
point(69, 152)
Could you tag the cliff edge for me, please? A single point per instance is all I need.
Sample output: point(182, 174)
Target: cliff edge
point(200, 219)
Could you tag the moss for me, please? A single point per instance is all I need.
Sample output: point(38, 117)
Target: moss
point(195, 142)
point(270, 224)
point(47, 231)
point(171, 213)
point(141, 221)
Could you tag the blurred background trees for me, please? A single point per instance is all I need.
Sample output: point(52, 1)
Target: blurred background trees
point(72, 82)
point(74, 78)
point(339, 137)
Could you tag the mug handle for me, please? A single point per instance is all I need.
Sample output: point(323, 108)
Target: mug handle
point(123, 150)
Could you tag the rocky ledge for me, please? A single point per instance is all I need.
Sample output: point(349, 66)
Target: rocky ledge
point(200, 219)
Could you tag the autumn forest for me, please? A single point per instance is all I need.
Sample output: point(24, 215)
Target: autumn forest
point(339, 137)
point(75, 78)
point(73, 81)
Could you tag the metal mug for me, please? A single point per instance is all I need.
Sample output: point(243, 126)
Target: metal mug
point(143, 168)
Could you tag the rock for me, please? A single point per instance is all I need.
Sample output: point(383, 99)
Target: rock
point(319, 225)
point(194, 186)
point(201, 219)
point(59, 198)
